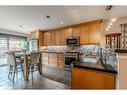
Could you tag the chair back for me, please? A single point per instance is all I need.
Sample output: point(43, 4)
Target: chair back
point(35, 57)
point(11, 58)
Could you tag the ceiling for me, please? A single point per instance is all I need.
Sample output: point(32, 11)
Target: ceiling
point(30, 18)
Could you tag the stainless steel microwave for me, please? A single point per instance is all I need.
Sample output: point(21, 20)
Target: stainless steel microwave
point(74, 40)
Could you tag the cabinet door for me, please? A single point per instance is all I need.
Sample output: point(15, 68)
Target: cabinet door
point(76, 30)
point(52, 38)
point(53, 59)
point(45, 58)
point(46, 38)
point(60, 60)
point(68, 32)
point(57, 38)
point(94, 30)
point(62, 37)
point(34, 35)
point(84, 35)
point(41, 43)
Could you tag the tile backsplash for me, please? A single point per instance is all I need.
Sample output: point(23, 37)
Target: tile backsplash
point(108, 56)
point(85, 49)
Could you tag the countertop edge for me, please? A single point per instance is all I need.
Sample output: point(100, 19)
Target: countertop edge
point(121, 50)
point(97, 69)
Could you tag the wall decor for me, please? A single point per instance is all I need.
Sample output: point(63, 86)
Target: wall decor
point(124, 36)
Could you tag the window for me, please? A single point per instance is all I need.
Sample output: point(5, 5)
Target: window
point(16, 43)
point(11, 43)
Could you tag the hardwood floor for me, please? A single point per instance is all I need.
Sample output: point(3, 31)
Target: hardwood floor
point(47, 81)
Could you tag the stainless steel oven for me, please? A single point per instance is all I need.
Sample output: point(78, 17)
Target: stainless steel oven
point(70, 58)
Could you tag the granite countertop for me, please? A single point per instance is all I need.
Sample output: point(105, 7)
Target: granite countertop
point(121, 50)
point(98, 66)
point(52, 52)
point(61, 52)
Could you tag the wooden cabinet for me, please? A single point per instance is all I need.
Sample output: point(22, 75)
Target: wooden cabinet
point(89, 33)
point(91, 79)
point(62, 37)
point(84, 35)
point(60, 60)
point(52, 38)
point(34, 35)
point(113, 40)
point(53, 59)
point(94, 30)
point(57, 38)
point(46, 38)
point(45, 57)
point(37, 35)
point(68, 32)
point(75, 31)
point(41, 35)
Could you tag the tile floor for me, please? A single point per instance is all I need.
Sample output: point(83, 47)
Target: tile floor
point(39, 82)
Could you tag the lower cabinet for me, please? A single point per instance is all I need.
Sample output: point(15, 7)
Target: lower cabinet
point(91, 79)
point(45, 58)
point(53, 59)
point(60, 60)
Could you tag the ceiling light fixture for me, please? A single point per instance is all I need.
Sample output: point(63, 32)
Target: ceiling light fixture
point(107, 29)
point(47, 16)
point(61, 22)
point(109, 7)
point(111, 24)
point(20, 26)
point(113, 20)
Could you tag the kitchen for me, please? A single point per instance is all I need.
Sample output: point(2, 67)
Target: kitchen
point(71, 48)
point(81, 55)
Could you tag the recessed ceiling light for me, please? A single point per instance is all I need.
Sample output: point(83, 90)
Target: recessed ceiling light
point(107, 29)
point(111, 24)
point(61, 22)
point(113, 20)
point(20, 26)
point(48, 16)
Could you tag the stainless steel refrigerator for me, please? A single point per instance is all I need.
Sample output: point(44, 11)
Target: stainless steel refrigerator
point(33, 45)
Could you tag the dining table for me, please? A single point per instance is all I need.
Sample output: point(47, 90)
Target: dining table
point(26, 60)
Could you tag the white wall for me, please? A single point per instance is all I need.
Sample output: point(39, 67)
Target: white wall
point(13, 33)
point(114, 29)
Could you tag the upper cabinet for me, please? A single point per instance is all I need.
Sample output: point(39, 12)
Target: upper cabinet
point(75, 30)
point(46, 38)
point(57, 38)
point(34, 35)
point(84, 35)
point(38, 35)
point(89, 33)
point(94, 30)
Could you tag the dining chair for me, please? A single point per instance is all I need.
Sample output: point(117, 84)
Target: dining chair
point(15, 65)
point(34, 62)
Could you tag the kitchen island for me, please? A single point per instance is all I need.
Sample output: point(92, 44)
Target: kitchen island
point(91, 75)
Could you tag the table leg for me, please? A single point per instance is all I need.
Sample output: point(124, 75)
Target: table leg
point(26, 70)
point(40, 65)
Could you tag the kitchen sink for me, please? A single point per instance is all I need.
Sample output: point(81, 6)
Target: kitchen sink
point(90, 59)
